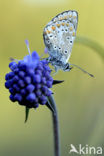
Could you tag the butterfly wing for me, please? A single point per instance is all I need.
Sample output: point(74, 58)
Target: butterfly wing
point(59, 35)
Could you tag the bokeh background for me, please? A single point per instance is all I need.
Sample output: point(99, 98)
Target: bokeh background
point(80, 99)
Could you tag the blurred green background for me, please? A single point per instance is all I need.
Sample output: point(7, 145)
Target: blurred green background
point(80, 99)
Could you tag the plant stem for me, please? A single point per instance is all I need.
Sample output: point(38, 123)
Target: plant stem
point(90, 43)
point(55, 126)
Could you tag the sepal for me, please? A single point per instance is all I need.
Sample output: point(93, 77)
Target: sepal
point(26, 113)
point(57, 82)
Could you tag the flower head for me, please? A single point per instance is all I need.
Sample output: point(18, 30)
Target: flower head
point(29, 81)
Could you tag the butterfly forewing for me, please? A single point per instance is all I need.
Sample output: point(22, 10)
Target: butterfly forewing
point(59, 35)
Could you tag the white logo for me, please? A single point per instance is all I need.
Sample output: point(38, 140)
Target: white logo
point(85, 149)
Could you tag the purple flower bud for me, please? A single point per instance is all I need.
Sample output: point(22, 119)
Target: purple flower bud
point(11, 64)
point(12, 91)
point(40, 66)
point(36, 100)
point(38, 92)
point(38, 86)
point(27, 79)
point(31, 97)
point(36, 105)
point(30, 88)
point(15, 78)
point(49, 84)
point(23, 92)
point(27, 59)
point(21, 74)
point(8, 84)
point(46, 67)
point(43, 100)
point(13, 67)
point(49, 92)
point(44, 62)
point(39, 72)
point(43, 80)
point(35, 56)
point(50, 79)
point(16, 71)
point(12, 98)
point(30, 71)
point(18, 97)
point(44, 89)
point(21, 83)
point(9, 75)
point(22, 65)
point(47, 74)
point(16, 87)
point(37, 78)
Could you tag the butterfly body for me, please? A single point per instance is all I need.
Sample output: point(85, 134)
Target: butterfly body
point(59, 35)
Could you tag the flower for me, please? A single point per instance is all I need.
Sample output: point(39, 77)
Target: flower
point(29, 81)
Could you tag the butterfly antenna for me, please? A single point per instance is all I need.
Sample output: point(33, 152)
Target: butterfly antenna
point(27, 44)
point(82, 70)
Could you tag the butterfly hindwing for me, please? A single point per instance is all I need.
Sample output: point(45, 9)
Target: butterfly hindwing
point(59, 35)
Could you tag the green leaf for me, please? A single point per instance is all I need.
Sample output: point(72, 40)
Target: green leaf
point(26, 113)
point(91, 43)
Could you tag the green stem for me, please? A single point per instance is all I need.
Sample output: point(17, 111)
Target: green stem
point(91, 43)
point(55, 127)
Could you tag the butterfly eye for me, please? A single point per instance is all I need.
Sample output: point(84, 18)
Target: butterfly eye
point(59, 48)
point(50, 35)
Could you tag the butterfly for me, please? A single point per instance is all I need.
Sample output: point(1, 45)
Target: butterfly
point(59, 35)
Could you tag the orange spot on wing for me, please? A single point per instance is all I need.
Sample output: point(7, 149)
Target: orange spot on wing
point(53, 28)
point(48, 31)
point(45, 32)
point(70, 16)
point(74, 17)
point(73, 34)
point(60, 18)
point(71, 28)
point(63, 24)
point(67, 24)
point(58, 25)
point(65, 17)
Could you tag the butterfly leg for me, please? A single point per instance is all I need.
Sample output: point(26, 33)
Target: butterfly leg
point(56, 70)
point(67, 67)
